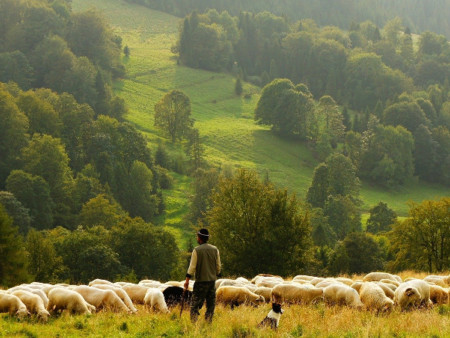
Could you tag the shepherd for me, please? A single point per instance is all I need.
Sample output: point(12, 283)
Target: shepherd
point(205, 266)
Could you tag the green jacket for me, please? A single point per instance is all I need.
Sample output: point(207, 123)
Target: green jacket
point(205, 263)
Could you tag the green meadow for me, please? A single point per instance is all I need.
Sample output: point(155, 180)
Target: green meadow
point(225, 121)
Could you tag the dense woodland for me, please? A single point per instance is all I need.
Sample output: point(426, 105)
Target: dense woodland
point(380, 96)
point(80, 190)
point(418, 15)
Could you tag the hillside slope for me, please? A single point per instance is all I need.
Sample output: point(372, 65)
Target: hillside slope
point(225, 121)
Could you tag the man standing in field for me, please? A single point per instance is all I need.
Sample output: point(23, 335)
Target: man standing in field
point(205, 266)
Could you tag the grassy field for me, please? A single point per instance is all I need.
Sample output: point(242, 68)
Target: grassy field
point(316, 320)
point(306, 321)
point(224, 120)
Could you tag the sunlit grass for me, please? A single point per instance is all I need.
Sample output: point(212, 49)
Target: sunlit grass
point(307, 321)
point(225, 121)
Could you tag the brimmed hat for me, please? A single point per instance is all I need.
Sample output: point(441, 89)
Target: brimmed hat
point(203, 233)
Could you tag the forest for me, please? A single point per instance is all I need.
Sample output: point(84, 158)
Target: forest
point(81, 188)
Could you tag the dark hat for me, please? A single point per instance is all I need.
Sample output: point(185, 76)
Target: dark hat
point(203, 233)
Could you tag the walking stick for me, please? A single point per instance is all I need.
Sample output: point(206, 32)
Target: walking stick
point(182, 301)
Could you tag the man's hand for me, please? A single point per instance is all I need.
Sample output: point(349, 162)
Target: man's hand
point(186, 284)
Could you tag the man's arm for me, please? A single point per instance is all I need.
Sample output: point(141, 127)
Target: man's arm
point(191, 269)
point(218, 265)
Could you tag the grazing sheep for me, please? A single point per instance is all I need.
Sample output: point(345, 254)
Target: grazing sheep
point(386, 289)
point(135, 292)
point(100, 281)
point(437, 280)
point(38, 292)
point(303, 278)
point(101, 299)
point(377, 276)
point(327, 282)
point(291, 293)
point(13, 305)
point(265, 292)
point(346, 281)
point(342, 294)
point(237, 295)
point(33, 303)
point(445, 279)
point(374, 298)
point(316, 280)
point(154, 299)
point(412, 293)
point(357, 285)
point(394, 283)
point(439, 295)
point(64, 299)
point(268, 282)
point(119, 292)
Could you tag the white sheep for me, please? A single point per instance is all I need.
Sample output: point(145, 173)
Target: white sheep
point(342, 294)
point(327, 282)
point(154, 299)
point(374, 298)
point(13, 305)
point(412, 293)
point(100, 281)
point(445, 279)
point(386, 289)
point(357, 285)
point(377, 276)
point(64, 299)
point(265, 292)
point(303, 278)
point(346, 281)
point(291, 293)
point(33, 302)
point(316, 280)
point(35, 291)
point(135, 292)
point(120, 292)
point(439, 295)
point(237, 295)
point(394, 283)
point(437, 280)
point(101, 299)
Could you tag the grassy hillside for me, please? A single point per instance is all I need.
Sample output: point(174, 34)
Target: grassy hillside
point(225, 121)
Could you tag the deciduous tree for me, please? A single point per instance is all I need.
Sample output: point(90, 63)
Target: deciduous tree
point(257, 226)
point(173, 114)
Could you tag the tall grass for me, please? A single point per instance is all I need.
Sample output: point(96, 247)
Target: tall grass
point(224, 120)
point(297, 320)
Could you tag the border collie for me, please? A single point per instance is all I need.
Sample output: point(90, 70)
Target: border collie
point(273, 318)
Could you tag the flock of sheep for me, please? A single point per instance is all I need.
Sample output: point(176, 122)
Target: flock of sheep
point(377, 291)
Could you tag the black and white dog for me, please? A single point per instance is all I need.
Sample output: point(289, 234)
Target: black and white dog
point(273, 318)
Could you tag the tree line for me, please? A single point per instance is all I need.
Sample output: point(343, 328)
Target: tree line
point(263, 229)
point(419, 16)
